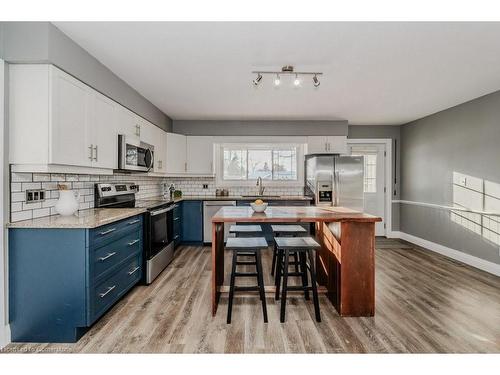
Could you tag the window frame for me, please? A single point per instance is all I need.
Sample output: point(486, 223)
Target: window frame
point(219, 163)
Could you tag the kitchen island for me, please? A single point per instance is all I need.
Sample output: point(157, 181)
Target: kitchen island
point(345, 263)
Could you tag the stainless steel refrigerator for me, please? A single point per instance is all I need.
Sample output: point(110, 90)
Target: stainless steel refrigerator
point(334, 180)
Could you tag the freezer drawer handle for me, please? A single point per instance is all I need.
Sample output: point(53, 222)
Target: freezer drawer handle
point(133, 242)
point(102, 259)
point(102, 295)
point(134, 270)
point(107, 231)
point(133, 222)
point(176, 237)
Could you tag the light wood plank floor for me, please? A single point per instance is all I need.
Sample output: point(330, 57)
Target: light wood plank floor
point(425, 303)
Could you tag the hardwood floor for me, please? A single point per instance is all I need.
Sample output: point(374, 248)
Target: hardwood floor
point(425, 303)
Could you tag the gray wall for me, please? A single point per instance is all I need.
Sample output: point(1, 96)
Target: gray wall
point(199, 127)
point(466, 139)
point(42, 42)
point(387, 132)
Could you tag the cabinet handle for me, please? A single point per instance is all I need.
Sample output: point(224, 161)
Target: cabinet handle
point(102, 259)
point(95, 153)
point(138, 130)
point(134, 270)
point(185, 167)
point(176, 218)
point(329, 146)
point(107, 231)
point(133, 222)
point(102, 295)
point(91, 149)
point(176, 237)
point(326, 146)
point(133, 242)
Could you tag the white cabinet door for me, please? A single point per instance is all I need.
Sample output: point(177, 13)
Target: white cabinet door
point(337, 145)
point(127, 122)
point(160, 144)
point(102, 130)
point(176, 153)
point(199, 154)
point(317, 145)
point(67, 133)
point(148, 131)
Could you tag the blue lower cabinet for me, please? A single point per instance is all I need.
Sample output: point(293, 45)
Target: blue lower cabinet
point(192, 221)
point(177, 226)
point(62, 280)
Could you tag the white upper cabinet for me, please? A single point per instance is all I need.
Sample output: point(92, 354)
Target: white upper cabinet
point(58, 122)
point(327, 145)
point(160, 152)
point(69, 112)
point(199, 155)
point(176, 154)
point(148, 132)
point(128, 122)
point(102, 131)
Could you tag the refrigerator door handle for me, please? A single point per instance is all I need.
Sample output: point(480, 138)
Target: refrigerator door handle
point(336, 186)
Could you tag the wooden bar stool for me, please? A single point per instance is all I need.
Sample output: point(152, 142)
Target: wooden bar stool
point(304, 247)
point(243, 246)
point(288, 230)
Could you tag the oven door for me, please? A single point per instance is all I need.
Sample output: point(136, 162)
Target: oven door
point(160, 230)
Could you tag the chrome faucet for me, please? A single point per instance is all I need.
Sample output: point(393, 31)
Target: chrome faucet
point(259, 184)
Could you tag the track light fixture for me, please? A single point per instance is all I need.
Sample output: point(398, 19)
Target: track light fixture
point(257, 79)
point(316, 81)
point(286, 70)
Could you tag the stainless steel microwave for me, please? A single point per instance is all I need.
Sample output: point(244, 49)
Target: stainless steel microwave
point(134, 155)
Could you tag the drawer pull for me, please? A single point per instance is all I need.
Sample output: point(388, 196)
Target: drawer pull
point(134, 270)
point(102, 295)
point(133, 222)
point(102, 259)
point(176, 218)
point(133, 242)
point(176, 237)
point(107, 231)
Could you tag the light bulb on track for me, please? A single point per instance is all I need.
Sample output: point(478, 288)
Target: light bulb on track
point(296, 82)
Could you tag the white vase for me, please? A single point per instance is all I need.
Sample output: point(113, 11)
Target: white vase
point(67, 204)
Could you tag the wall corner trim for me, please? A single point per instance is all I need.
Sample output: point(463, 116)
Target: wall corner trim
point(4, 335)
point(470, 260)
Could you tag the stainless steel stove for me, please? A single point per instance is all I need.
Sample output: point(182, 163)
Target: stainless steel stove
point(158, 223)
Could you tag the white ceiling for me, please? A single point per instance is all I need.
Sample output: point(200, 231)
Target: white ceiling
point(374, 73)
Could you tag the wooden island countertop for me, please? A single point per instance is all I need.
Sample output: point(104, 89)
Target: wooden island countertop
point(345, 263)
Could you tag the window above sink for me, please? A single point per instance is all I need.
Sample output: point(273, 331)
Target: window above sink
point(241, 164)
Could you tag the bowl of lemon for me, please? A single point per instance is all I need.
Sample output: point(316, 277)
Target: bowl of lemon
point(259, 205)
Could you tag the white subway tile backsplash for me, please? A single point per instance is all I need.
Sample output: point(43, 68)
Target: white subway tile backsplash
point(149, 187)
point(41, 177)
point(21, 177)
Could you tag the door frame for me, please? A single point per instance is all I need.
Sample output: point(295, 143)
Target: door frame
point(388, 177)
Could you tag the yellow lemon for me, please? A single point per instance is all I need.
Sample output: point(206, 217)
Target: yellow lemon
point(259, 201)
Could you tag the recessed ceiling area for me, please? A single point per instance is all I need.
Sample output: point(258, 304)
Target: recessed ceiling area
point(374, 73)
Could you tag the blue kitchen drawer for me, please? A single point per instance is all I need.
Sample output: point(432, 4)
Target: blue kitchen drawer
point(104, 259)
point(108, 233)
point(107, 292)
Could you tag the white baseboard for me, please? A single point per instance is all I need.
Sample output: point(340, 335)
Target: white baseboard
point(470, 260)
point(4, 335)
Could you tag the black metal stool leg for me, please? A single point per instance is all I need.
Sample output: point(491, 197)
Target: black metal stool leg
point(273, 265)
point(285, 285)
point(296, 260)
point(314, 288)
point(231, 288)
point(279, 273)
point(303, 267)
point(260, 280)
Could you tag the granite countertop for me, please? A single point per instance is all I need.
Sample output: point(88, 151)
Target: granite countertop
point(234, 198)
point(90, 218)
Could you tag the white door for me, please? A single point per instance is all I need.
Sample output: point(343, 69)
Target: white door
point(68, 133)
point(337, 144)
point(102, 130)
point(160, 144)
point(374, 180)
point(176, 153)
point(199, 154)
point(127, 122)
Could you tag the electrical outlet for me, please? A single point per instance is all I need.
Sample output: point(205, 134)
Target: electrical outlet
point(205, 186)
point(35, 195)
